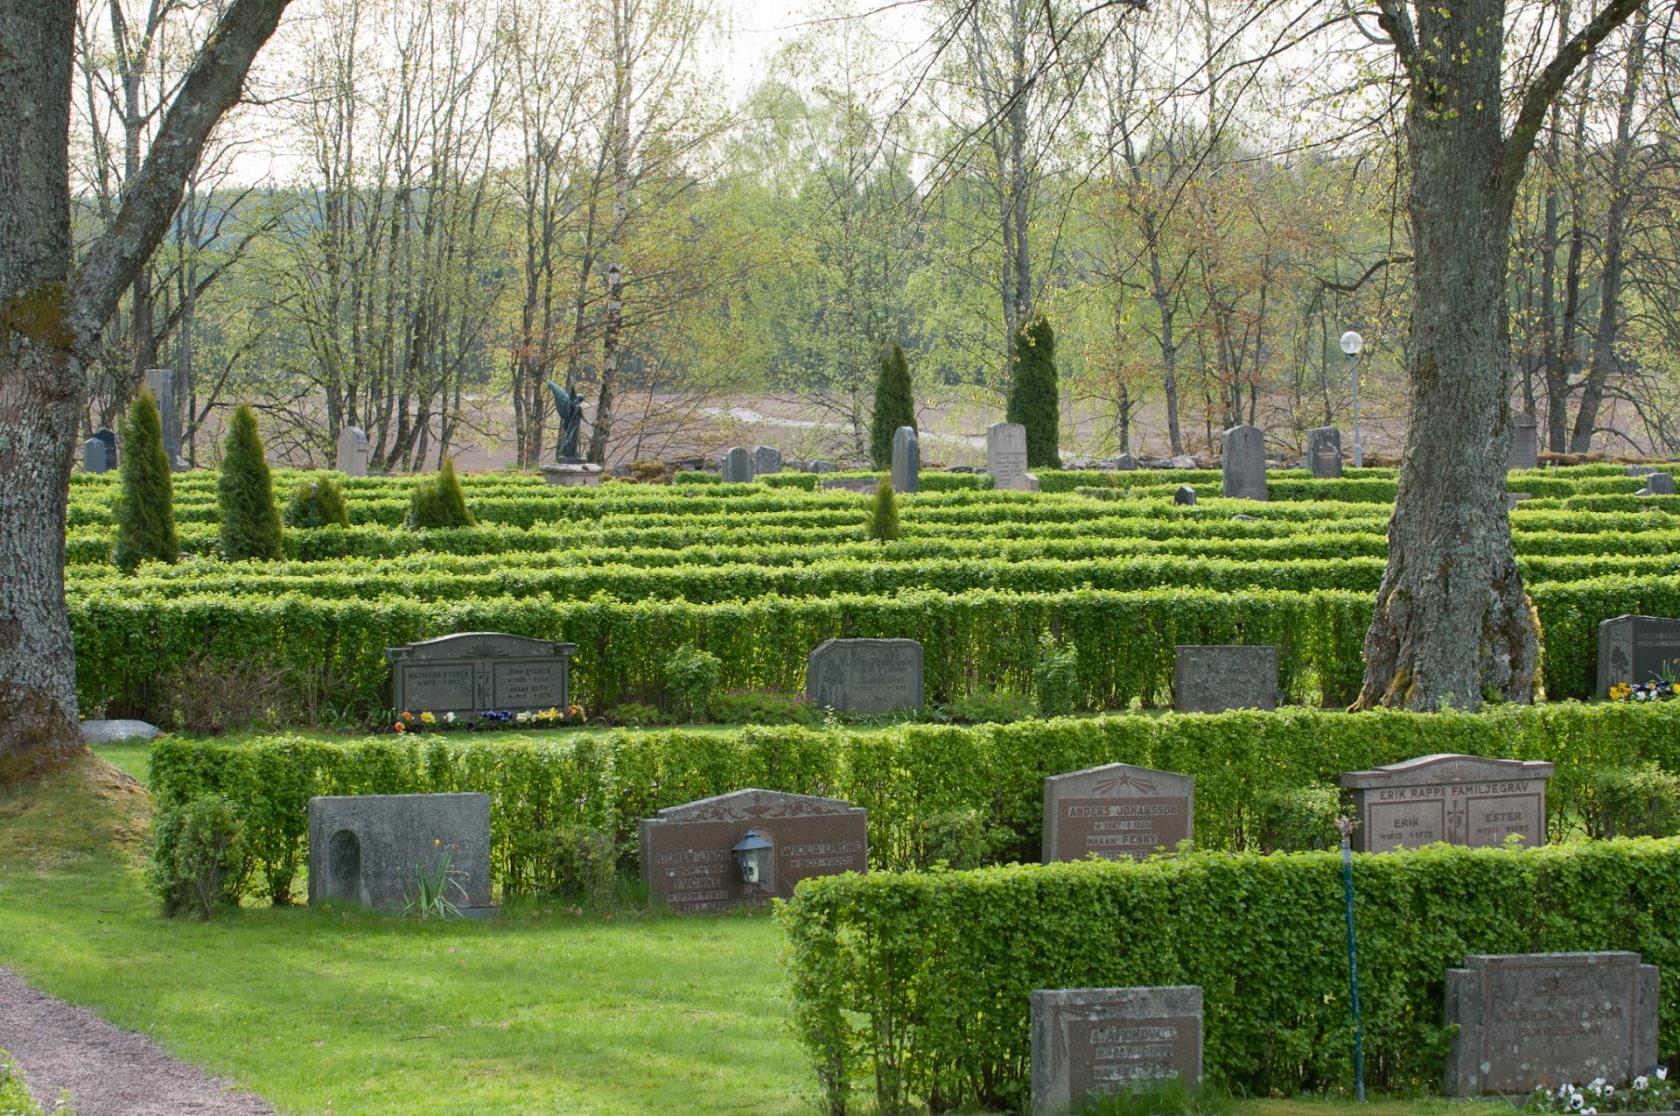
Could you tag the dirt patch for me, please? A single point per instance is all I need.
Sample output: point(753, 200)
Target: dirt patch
point(106, 1071)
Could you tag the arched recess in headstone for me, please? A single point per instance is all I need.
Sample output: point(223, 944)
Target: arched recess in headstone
point(344, 867)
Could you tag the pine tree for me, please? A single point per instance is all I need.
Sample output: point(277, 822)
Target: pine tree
point(438, 501)
point(883, 515)
point(894, 406)
point(1033, 398)
point(145, 511)
point(317, 504)
point(245, 493)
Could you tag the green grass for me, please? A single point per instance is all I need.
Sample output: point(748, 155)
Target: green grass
point(544, 1010)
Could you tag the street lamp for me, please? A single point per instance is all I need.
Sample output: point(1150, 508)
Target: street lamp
point(1352, 343)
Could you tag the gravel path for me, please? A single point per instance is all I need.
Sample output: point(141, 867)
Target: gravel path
point(108, 1072)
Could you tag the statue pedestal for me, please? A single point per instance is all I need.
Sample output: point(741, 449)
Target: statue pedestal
point(572, 474)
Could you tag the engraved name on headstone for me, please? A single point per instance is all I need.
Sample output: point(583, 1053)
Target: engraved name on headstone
point(1244, 463)
point(352, 451)
point(687, 863)
point(766, 460)
point(1116, 811)
point(1208, 678)
point(473, 672)
point(736, 467)
point(1462, 800)
point(865, 675)
point(369, 849)
point(1637, 649)
point(1324, 451)
point(1098, 1041)
point(1528, 1019)
point(906, 460)
point(1006, 456)
point(1525, 443)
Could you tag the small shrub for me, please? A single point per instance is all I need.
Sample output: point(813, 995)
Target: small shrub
point(883, 515)
point(199, 857)
point(438, 502)
point(996, 706)
point(1298, 819)
point(753, 708)
point(245, 494)
point(650, 472)
point(577, 863)
point(1632, 802)
point(145, 508)
point(692, 677)
point(15, 1099)
point(960, 838)
point(317, 504)
point(636, 714)
point(214, 695)
point(1056, 681)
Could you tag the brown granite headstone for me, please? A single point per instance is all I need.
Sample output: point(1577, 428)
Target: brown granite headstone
point(686, 859)
point(1462, 800)
point(1116, 811)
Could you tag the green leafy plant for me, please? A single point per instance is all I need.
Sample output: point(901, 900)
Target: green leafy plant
point(692, 677)
point(437, 502)
point(245, 494)
point(1033, 396)
point(882, 525)
point(752, 707)
point(428, 894)
point(144, 509)
point(960, 838)
point(1161, 1098)
point(1295, 819)
point(317, 503)
point(894, 406)
point(995, 706)
point(576, 862)
point(200, 859)
point(1640, 801)
point(1056, 682)
point(636, 714)
point(1648, 1092)
point(15, 1099)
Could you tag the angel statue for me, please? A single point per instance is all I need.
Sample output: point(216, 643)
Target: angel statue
point(568, 404)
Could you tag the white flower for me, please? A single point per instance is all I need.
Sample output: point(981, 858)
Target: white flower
point(1642, 1082)
point(1575, 1102)
point(1609, 1090)
point(1662, 1073)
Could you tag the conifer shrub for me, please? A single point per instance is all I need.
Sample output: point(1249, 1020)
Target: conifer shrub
point(883, 515)
point(317, 503)
point(894, 406)
point(144, 510)
point(437, 501)
point(245, 494)
point(1033, 396)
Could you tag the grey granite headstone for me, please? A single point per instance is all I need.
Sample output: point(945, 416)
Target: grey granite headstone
point(686, 859)
point(1244, 463)
point(1125, 463)
point(1211, 678)
point(1185, 495)
point(1640, 470)
point(474, 672)
point(866, 485)
point(110, 732)
point(1525, 443)
point(1099, 1041)
point(865, 676)
point(1116, 811)
point(353, 451)
point(821, 466)
point(368, 850)
point(1547, 1019)
point(110, 440)
point(1324, 451)
point(766, 460)
point(906, 460)
point(1637, 649)
point(94, 458)
point(1006, 456)
point(736, 466)
point(1659, 484)
point(1462, 800)
point(161, 383)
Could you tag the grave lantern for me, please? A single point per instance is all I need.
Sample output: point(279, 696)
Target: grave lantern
point(752, 857)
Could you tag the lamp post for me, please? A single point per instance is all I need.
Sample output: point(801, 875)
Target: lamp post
point(1352, 344)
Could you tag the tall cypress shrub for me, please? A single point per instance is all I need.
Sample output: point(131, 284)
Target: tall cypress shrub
point(145, 511)
point(882, 524)
point(894, 406)
point(245, 492)
point(1033, 400)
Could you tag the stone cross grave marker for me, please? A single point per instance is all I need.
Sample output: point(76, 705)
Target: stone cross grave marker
point(1208, 678)
point(1244, 463)
point(1006, 456)
point(1462, 800)
point(473, 672)
point(865, 676)
point(906, 460)
point(1324, 451)
point(1116, 811)
point(1637, 649)
point(766, 460)
point(352, 451)
point(369, 849)
point(1527, 1019)
point(1102, 1040)
point(687, 861)
point(736, 467)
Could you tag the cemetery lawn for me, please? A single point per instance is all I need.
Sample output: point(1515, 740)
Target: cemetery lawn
point(543, 1011)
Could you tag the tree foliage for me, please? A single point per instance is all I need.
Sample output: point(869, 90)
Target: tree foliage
point(245, 494)
point(144, 511)
point(1034, 400)
point(894, 406)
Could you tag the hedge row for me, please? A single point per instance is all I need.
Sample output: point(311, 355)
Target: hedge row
point(907, 777)
point(917, 985)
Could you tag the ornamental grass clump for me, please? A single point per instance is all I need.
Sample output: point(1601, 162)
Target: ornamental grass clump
point(245, 494)
point(144, 510)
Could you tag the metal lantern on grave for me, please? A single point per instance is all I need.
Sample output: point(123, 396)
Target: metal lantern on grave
point(752, 858)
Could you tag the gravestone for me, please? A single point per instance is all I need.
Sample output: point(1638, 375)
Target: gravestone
point(865, 676)
point(1006, 456)
point(736, 467)
point(369, 849)
point(1125, 463)
point(1103, 1040)
point(94, 456)
point(352, 451)
point(766, 460)
point(1637, 649)
point(1525, 443)
point(1640, 470)
point(1324, 451)
point(1244, 463)
point(110, 440)
point(1210, 678)
point(1116, 811)
point(1547, 1019)
point(1659, 484)
point(906, 460)
point(110, 732)
point(161, 383)
point(687, 863)
point(866, 485)
point(1184, 495)
point(1462, 800)
point(473, 672)
point(821, 466)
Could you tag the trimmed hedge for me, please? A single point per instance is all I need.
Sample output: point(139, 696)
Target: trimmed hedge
point(919, 984)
